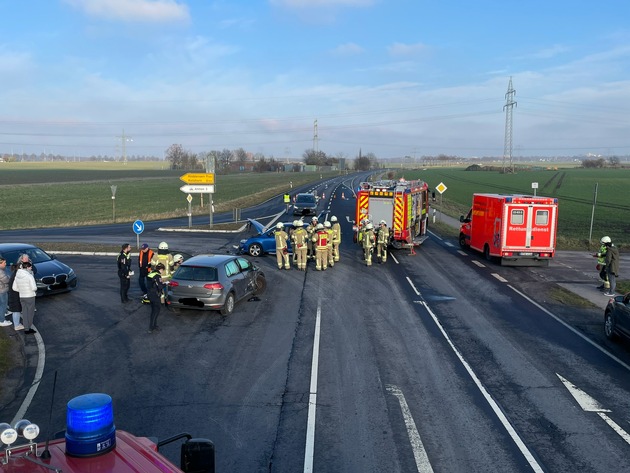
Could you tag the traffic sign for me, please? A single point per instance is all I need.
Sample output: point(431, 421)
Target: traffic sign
point(189, 198)
point(197, 189)
point(198, 178)
point(441, 188)
point(138, 227)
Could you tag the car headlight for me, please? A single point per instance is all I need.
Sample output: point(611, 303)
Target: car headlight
point(243, 242)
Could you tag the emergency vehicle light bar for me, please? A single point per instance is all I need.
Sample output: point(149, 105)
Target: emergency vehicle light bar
point(90, 428)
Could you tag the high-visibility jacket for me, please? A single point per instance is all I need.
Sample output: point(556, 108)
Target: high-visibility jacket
point(336, 228)
point(321, 239)
point(299, 238)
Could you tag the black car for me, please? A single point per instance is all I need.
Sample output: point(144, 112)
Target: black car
point(617, 317)
point(51, 275)
point(305, 204)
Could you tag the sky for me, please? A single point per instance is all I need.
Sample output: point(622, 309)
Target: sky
point(397, 78)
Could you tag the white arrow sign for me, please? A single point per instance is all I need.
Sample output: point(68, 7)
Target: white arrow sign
point(588, 404)
point(197, 189)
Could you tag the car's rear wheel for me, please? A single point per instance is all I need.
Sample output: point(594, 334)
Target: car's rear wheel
point(228, 307)
point(261, 284)
point(609, 326)
point(255, 250)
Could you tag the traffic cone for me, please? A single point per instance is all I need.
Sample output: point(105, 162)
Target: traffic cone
point(343, 197)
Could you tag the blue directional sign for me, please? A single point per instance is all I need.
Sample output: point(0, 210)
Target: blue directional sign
point(138, 227)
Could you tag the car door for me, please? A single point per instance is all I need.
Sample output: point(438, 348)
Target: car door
point(622, 315)
point(249, 275)
point(236, 278)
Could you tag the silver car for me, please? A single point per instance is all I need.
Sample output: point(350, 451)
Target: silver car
point(214, 282)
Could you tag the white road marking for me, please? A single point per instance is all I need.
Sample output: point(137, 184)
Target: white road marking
point(463, 253)
point(413, 287)
point(312, 399)
point(589, 404)
point(500, 278)
point(576, 332)
point(419, 452)
point(478, 263)
point(393, 257)
point(39, 372)
point(434, 235)
point(489, 399)
point(449, 244)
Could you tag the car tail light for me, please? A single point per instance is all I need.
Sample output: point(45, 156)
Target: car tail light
point(213, 285)
point(173, 283)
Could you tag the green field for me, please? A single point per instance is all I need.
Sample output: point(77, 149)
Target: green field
point(36, 195)
point(573, 187)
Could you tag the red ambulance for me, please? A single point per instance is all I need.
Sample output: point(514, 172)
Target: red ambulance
point(519, 230)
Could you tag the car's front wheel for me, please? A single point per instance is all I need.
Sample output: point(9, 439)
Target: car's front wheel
point(255, 250)
point(228, 307)
point(609, 326)
point(261, 284)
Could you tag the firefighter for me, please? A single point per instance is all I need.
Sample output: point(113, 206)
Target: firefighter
point(382, 240)
point(300, 245)
point(601, 263)
point(329, 230)
point(163, 256)
point(310, 230)
point(336, 237)
point(368, 243)
point(155, 294)
point(291, 239)
point(282, 252)
point(320, 241)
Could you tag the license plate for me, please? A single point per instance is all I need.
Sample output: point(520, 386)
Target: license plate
point(527, 254)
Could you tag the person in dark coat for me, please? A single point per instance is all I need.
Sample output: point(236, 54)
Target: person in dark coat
point(155, 291)
point(124, 271)
point(14, 305)
point(612, 266)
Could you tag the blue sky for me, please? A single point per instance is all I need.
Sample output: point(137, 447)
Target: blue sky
point(391, 77)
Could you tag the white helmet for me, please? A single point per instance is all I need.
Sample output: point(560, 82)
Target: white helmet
point(369, 226)
point(296, 223)
point(382, 222)
point(327, 224)
point(605, 240)
point(178, 258)
point(163, 246)
point(333, 219)
point(300, 223)
point(279, 226)
point(320, 226)
point(314, 219)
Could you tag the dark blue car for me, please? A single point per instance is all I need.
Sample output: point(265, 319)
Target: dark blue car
point(265, 241)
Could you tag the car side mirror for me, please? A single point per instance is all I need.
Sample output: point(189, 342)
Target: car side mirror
point(462, 218)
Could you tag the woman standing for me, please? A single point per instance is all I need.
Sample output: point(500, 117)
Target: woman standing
point(25, 284)
point(14, 301)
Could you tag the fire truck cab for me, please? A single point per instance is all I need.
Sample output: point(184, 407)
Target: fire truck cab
point(404, 205)
point(92, 444)
point(520, 230)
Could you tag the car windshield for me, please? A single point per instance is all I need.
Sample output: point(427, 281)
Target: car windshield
point(305, 199)
point(34, 254)
point(196, 273)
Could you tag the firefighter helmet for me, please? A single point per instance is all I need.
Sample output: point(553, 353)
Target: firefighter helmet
point(296, 223)
point(314, 219)
point(300, 223)
point(320, 226)
point(279, 226)
point(327, 224)
point(382, 222)
point(178, 258)
point(369, 226)
point(605, 240)
point(333, 219)
point(163, 246)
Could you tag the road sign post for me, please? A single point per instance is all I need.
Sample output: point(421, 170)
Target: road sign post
point(441, 188)
point(114, 203)
point(138, 228)
point(189, 199)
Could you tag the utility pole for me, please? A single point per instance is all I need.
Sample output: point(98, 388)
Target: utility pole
point(507, 146)
point(124, 139)
point(315, 138)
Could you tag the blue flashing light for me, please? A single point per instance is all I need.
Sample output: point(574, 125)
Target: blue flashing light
point(508, 200)
point(90, 428)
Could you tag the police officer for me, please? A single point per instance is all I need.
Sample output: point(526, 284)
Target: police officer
point(336, 237)
point(282, 250)
point(155, 293)
point(124, 271)
point(601, 263)
point(320, 240)
point(329, 244)
point(300, 245)
point(163, 256)
point(368, 243)
point(382, 240)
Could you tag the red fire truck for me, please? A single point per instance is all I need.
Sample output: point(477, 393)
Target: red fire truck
point(520, 230)
point(92, 444)
point(404, 205)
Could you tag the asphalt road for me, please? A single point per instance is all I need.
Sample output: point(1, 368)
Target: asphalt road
point(434, 361)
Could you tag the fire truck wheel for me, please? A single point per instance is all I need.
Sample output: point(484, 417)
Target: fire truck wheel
point(486, 252)
point(462, 240)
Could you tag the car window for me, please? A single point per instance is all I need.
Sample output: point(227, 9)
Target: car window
point(34, 254)
point(244, 264)
point(196, 273)
point(305, 199)
point(231, 268)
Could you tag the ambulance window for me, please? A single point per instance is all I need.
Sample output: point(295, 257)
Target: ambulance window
point(517, 217)
point(542, 217)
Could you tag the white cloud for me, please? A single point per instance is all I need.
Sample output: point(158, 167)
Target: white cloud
point(551, 52)
point(134, 10)
point(401, 49)
point(348, 49)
